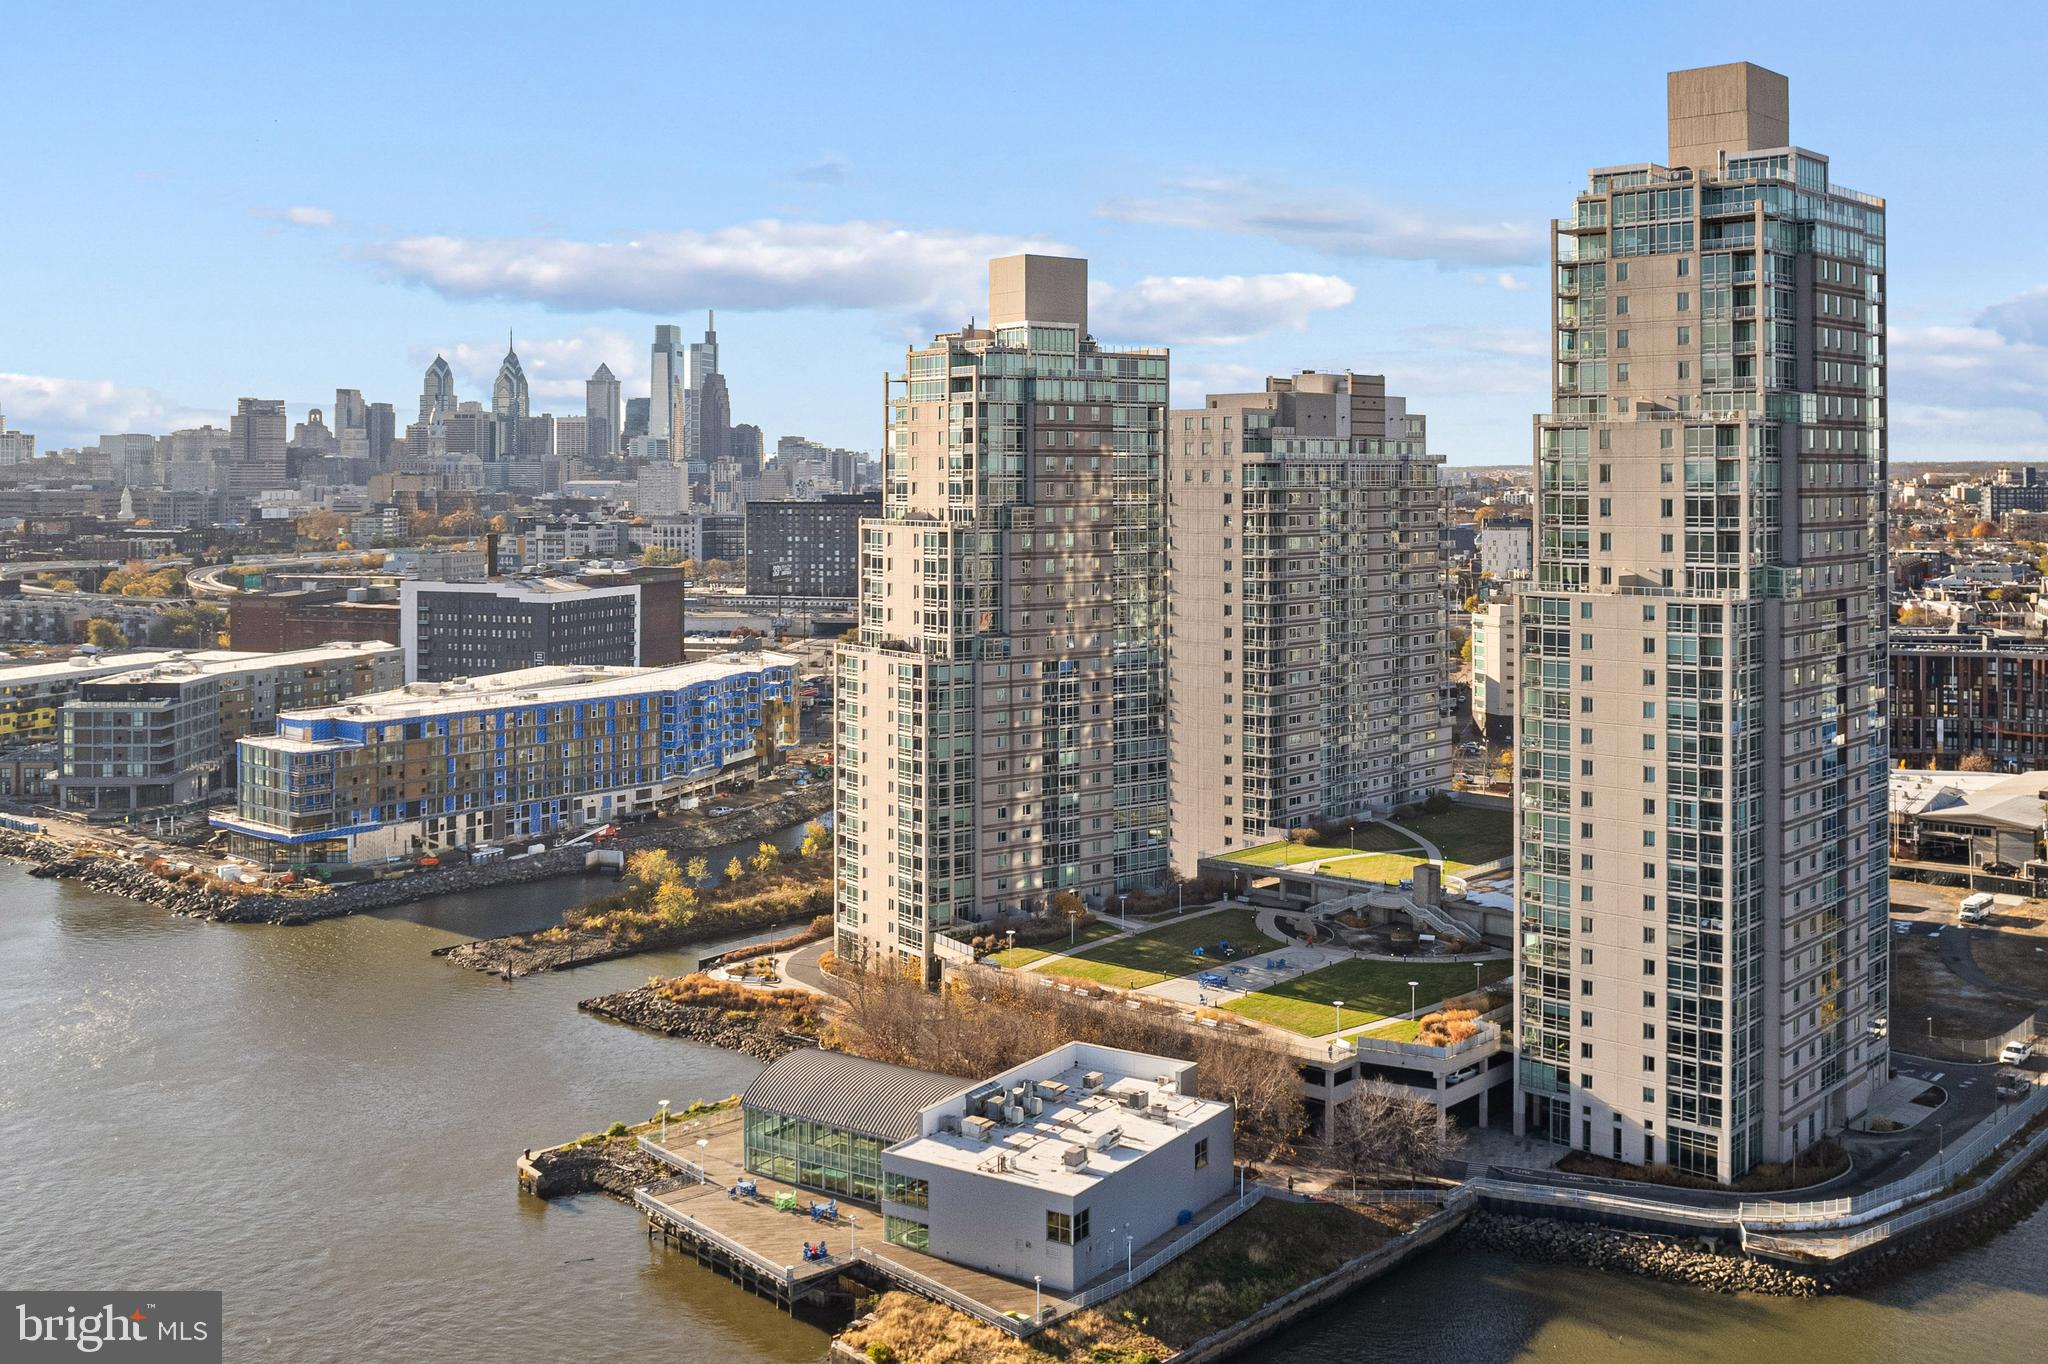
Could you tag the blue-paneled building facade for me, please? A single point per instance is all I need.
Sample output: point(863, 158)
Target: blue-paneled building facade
point(517, 755)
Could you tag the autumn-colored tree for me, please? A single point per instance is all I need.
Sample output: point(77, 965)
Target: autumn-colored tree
point(817, 838)
point(462, 522)
point(1983, 530)
point(697, 869)
point(498, 523)
point(651, 869)
point(673, 902)
point(733, 869)
point(764, 857)
point(1979, 761)
point(102, 633)
point(655, 556)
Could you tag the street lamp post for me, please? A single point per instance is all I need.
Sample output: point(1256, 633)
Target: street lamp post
point(1339, 1005)
point(664, 1122)
point(1411, 994)
point(852, 1231)
point(1128, 1242)
point(1124, 922)
point(1037, 1283)
point(1941, 1142)
point(1478, 983)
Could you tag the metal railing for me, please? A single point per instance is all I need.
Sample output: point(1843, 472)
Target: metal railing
point(1158, 1260)
point(649, 1204)
point(1835, 1247)
point(932, 1288)
point(1889, 1198)
point(669, 1158)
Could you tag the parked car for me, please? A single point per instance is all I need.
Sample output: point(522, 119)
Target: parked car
point(2015, 1053)
point(2013, 1084)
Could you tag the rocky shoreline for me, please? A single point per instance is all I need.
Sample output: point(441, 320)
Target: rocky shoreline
point(1650, 1257)
point(112, 876)
point(526, 954)
point(615, 1166)
point(760, 1036)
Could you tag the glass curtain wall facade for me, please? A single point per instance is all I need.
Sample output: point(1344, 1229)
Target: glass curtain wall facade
point(1701, 737)
point(813, 1154)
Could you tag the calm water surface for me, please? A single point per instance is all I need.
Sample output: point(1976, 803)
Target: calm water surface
point(322, 1121)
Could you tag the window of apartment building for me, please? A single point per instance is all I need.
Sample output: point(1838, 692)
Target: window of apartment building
point(1621, 338)
point(1621, 305)
point(1202, 1154)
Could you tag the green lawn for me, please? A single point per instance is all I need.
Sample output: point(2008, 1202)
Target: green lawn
point(1014, 957)
point(1278, 854)
point(1150, 957)
point(1392, 868)
point(1369, 989)
point(1467, 833)
point(1373, 838)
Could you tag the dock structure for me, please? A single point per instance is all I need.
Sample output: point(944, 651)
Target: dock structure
point(759, 1246)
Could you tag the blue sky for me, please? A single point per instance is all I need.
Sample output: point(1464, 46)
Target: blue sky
point(275, 201)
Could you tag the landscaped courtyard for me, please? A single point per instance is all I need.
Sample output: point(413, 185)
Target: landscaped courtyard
point(1467, 836)
point(1162, 953)
point(1094, 930)
point(1369, 989)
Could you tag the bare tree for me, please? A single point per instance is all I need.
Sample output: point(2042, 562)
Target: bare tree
point(1382, 1128)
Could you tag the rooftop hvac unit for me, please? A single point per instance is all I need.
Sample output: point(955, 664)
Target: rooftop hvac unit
point(1134, 1099)
point(1165, 1084)
point(977, 1129)
point(1033, 1105)
point(1074, 1157)
point(1092, 1080)
point(1013, 1115)
point(950, 1125)
point(1108, 1138)
point(1052, 1089)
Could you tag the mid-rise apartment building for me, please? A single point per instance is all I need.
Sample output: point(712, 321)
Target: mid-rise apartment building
point(1304, 611)
point(1496, 642)
point(807, 549)
point(526, 754)
point(1000, 711)
point(1702, 961)
point(469, 629)
point(1963, 693)
point(164, 736)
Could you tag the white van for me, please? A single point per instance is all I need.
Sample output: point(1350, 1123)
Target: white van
point(1974, 910)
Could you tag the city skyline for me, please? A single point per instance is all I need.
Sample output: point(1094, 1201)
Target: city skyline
point(1243, 244)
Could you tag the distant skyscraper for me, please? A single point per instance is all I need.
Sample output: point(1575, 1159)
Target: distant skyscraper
point(16, 447)
point(743, 442)
point(665, 382)
point(711, 417)
point(1701, 953)
point(256, 448)
point(699, 432)
point(601, 437)
point(437, 397)
point(509, 405)
point(636, 420)
point(350, 412)
point(381, 426)
point(1001, 709)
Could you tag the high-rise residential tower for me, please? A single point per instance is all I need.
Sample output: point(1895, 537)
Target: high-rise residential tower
point(256, 455)
point(1701, 748)
point(1305, 611)
point(665, 383)
point(1001, 711)
point(601, 420)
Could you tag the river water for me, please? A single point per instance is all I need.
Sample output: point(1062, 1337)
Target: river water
point(322, 1122)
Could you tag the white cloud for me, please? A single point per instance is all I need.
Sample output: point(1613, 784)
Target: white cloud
point(61, 412)
point(1340, 223)
point(306, 216)
point(767, 264)
point(1505, 279)
point(830, 169)
point(1193, 310)
point(1194, 382)
point(1520, 342)
point(555, 366)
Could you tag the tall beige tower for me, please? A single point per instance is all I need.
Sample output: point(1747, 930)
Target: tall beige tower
point(1001, 706)
point(1701, 742)
point(1305, 611)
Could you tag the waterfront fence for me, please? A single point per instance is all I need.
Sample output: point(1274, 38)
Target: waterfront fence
point(1987, 1048)
point(689, 1168)
point(1160, 1259)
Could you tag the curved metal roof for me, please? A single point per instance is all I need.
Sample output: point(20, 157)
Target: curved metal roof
point(851, 1092)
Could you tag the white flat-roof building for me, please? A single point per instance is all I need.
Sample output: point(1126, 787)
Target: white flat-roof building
point(1055, 1169)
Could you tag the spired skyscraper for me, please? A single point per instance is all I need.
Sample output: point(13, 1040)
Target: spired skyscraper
point(601, 416)
point(509, 404)
point(1000, 713)
point(1701, 959)
point(704, 430)
point(437, 393)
